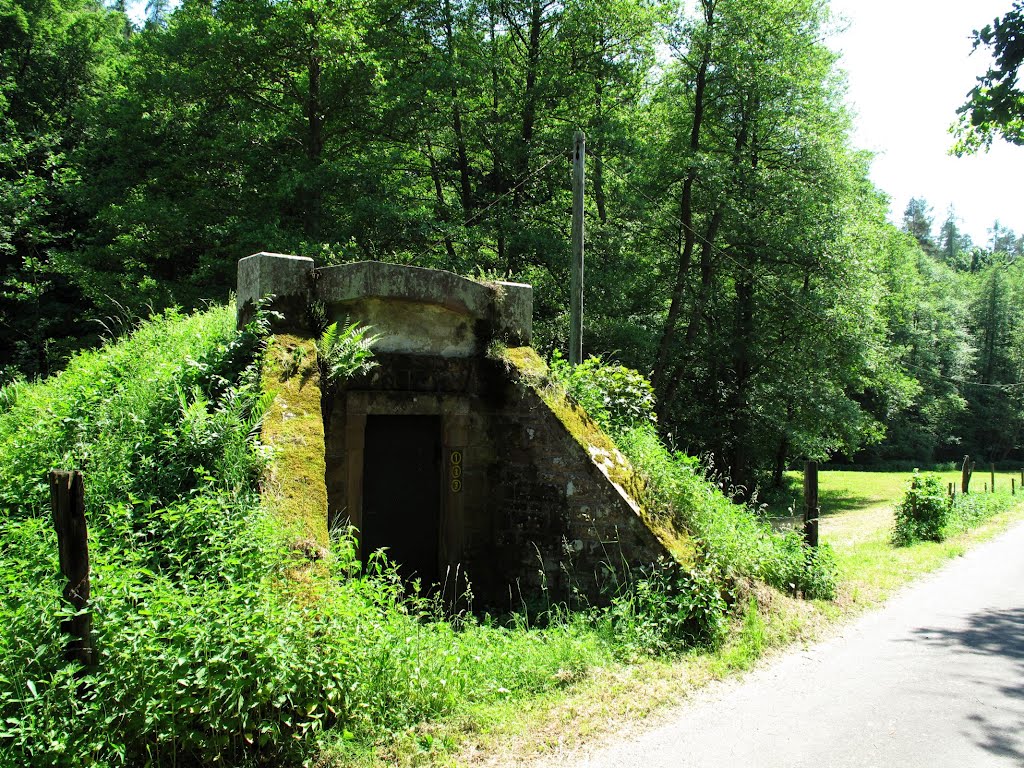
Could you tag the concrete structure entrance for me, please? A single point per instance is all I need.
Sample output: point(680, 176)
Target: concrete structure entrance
point(452, 454)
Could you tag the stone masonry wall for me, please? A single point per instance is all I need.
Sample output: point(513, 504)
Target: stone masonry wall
point(560, 523)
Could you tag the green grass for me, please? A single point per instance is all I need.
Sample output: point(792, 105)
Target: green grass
point(857, 521)
point(211, 652)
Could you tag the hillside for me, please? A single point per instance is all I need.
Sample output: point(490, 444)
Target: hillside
point(209, 647)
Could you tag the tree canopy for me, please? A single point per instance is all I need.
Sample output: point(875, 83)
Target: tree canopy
point(995, 106)
point(738, 253)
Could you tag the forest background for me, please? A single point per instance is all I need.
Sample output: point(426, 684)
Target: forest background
point(737, 252)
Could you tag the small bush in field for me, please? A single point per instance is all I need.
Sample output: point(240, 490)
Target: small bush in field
point(923, 513)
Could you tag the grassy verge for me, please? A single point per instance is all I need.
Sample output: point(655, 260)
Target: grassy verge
point(210, 653)
point(611, 700)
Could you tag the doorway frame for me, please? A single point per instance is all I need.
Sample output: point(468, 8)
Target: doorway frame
point(454, 413)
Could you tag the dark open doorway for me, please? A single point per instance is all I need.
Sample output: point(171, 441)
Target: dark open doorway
point(402, 492)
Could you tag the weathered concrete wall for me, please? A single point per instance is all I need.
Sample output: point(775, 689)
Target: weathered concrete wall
point(418, 311)
point(565, 521)
point(289, 279)
point(540, 502)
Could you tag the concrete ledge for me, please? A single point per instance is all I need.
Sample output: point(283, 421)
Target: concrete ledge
point(508, 307)
point(287, 278)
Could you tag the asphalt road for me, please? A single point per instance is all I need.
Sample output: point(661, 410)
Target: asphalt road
point(935, 678)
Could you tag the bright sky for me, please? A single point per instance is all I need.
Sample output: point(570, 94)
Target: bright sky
point(909, 68)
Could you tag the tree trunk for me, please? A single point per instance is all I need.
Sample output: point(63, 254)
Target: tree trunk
point(686, 209)
point(597, 143)
point(741, 465)
point(442, 208)
point(312, 193)
point(781, 457)
point(462, 158)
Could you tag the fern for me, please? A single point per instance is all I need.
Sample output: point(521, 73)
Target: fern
point(345, 353)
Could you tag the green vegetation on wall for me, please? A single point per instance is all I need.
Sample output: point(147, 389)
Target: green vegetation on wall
point(293, 430)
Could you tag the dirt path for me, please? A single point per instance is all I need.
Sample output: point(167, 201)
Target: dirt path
point(935, 678)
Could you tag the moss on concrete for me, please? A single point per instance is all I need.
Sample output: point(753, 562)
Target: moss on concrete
point(531, 370)
point(295, 489)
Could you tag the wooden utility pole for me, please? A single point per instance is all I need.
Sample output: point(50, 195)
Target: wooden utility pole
point(811, 510)
point(67, 500)
point(579, 152)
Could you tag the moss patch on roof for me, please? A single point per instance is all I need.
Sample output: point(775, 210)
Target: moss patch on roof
point(294, 487)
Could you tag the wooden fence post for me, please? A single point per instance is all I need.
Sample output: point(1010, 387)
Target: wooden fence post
point(67, 500)
point(965, 475)
point(811, 509)
point(993, 475)
point(1013, 486)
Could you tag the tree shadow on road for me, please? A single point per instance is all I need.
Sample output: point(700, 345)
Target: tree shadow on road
point(995, 633)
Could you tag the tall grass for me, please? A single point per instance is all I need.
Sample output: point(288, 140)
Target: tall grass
point(733, 541)
point(207, 650)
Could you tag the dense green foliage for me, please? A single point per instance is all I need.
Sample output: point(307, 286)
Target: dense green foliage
point(927, 513)
point(209, 647)
point(923, 512)
point(737, 252)
point(995, 106)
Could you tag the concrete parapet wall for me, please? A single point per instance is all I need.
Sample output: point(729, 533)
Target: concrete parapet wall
point(416, 311)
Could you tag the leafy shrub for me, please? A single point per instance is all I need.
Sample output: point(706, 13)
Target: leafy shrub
point(616, 397)
point(923, 513)
point(668, 608)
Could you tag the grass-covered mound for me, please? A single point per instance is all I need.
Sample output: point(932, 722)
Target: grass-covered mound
point(207, 650)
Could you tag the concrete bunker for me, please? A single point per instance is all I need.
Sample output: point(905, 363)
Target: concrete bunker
point(450, 453)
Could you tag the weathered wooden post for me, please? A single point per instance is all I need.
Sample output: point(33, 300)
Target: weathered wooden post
point(811, 510)
point(951, 491)
point(1013, 486)
point(993, 474)
point(965, 475)
point(67, 500)
point(576, 276)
